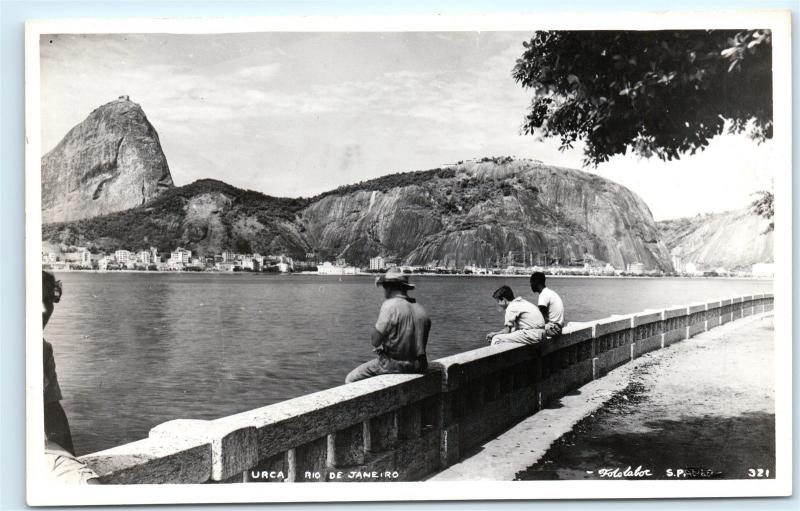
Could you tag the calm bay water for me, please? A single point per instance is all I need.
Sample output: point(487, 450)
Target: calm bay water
point(134, 350)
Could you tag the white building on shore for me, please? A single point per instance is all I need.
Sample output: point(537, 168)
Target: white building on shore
point(103, 262)
point(691, 269)
point(85, 257)
point(144, 257)
point(763, 270)
point(122, 256)
point(636, 268)
point(475, 270)
point(377, 263)
point(328, 268)
point(179, 258)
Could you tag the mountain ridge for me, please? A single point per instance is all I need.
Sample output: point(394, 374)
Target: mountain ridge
point(108, 185)
point(734, 240)
point(473, 212)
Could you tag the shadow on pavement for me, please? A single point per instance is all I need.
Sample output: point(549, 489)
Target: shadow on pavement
point(711, 447)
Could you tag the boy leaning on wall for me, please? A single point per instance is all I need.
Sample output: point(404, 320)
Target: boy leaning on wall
point(523, 322)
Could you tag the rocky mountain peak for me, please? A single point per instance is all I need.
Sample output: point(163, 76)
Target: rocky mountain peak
point(110, 162)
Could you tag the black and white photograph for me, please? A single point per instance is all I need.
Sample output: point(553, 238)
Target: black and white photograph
point(496, 257)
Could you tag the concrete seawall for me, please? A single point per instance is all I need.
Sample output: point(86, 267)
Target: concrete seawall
point(405, 427)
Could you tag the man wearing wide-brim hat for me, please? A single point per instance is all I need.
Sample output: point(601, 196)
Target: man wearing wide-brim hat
point(400, 336)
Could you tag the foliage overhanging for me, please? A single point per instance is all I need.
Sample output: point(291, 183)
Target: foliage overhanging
point(656, 93)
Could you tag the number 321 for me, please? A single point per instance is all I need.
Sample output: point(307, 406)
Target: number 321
point(757, 472)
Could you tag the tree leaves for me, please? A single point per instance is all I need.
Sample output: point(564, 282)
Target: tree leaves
point(659, 93)
point(764, 206)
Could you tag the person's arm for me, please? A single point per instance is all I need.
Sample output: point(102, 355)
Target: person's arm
point(386, 322)
point(377, 338)
point(544, 307)
point(509, 320)
point(543, 310)
point(504, 330)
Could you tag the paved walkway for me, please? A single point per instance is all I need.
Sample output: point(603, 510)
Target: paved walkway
point(706, 402)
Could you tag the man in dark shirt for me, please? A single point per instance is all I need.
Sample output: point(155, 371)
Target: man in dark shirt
point(62, 465)
point(56, 426)
point(400, 336)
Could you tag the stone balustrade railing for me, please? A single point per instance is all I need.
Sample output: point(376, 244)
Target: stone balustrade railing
point(405, 427)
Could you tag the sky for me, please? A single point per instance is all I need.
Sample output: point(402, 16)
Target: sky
point(296, 114)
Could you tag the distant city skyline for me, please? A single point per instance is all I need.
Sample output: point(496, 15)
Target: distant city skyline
point(296, 114)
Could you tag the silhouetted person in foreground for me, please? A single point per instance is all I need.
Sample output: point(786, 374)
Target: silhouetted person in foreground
point(550, 305)
point(400, 336)
point(60, 460)
point(522, 323)
point(56, 426)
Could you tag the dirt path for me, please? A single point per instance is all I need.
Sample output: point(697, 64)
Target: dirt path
point(705, 407)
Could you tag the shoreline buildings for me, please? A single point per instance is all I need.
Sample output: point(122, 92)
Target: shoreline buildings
point(636, 268)
point(327, 268)
point(182, 259)
point(763, 270)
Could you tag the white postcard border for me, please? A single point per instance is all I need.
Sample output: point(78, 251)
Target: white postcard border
point(40, 493)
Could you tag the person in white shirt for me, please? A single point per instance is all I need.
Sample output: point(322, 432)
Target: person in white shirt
point(550, 305)
point(523, 322)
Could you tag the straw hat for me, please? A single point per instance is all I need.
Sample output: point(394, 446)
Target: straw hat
point(394, 276)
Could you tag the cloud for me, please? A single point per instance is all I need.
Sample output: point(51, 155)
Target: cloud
point(264, 72)
point(297, 114)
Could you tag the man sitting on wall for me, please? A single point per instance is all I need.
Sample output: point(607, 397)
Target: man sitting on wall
point(400, 336)
point(550, 305)
point(523, 322)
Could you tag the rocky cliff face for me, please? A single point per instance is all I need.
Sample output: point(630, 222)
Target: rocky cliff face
point(733, 240)
point(479, 212)
point(496, 211)
point(110, 162)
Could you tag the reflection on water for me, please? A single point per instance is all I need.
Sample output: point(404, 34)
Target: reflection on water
point(134, 350)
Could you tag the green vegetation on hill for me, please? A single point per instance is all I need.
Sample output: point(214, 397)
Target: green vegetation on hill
point(484, 210)
point(421, 177)
point(477, 211)
point(402, 179)
point(160, 223)
point(385, 183)
point(248, 201)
